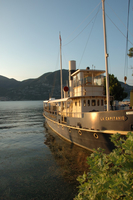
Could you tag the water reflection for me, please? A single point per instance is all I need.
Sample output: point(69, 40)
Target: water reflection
point(30, 169)
point(71, 158)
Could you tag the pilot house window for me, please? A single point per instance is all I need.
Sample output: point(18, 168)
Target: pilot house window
point(84, 102)
point(93, 102)
point(88, 102)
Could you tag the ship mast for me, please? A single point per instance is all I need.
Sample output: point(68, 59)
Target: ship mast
point(106, 57)
point(61, 64)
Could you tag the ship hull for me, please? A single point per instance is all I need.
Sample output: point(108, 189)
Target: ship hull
point(89, 138)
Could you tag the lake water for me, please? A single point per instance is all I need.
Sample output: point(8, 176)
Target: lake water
point(35, 163)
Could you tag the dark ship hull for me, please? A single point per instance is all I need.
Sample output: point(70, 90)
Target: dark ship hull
point(93, 129)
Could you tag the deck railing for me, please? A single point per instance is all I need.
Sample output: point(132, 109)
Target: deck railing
point(65, 114)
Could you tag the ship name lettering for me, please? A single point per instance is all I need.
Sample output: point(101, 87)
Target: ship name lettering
point(113, 118)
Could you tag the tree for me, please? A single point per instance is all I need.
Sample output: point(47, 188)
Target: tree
point(115, 88)
point(130, 54)
point(110, 176)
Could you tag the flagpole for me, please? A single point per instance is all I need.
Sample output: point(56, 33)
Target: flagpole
point(61, 64)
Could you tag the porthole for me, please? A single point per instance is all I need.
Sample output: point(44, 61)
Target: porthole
point(95, 135)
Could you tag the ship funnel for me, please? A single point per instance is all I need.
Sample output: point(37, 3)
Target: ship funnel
point(72, 69)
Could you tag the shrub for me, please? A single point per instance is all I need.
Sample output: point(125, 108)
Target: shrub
point(110, 176)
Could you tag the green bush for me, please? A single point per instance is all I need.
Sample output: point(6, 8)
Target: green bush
point(110, 176)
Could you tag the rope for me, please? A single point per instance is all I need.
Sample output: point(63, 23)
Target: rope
point(89, 37)
point(119, 18)
point(80, 25)
point(118, 29)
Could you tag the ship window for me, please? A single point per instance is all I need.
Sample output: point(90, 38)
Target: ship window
point(79, 103)
point(78, 79)
point(93, 102)
point(75, 103)
point(88, 102)
point(102, 102)
point(98, 102)
point(65, 119)
point(74, 81)
point(84, 102)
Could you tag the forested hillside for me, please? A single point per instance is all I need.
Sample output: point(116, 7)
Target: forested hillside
point(41, 88)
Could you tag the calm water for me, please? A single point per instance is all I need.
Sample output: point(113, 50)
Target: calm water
point(34, 162)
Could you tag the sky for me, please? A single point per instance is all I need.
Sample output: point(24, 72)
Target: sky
point(29, 36)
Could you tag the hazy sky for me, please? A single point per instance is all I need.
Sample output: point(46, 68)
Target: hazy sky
point(29, 36)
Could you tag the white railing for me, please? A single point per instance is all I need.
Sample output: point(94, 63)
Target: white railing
point(65, 114)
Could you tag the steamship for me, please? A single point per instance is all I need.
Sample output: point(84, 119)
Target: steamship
point(79, 116)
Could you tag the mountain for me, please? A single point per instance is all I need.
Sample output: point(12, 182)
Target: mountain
point(47, 85)
point(127, 88)
point(41, 88)
point(8, 83)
